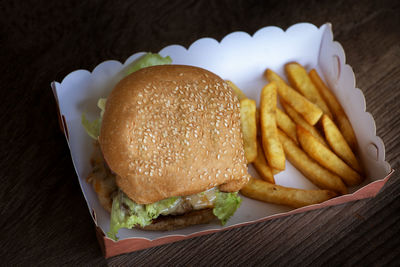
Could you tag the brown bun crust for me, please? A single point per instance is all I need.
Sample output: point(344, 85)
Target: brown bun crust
point(173, 130)
point(169, 223)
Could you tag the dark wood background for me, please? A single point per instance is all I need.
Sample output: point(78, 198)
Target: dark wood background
point(43, 216)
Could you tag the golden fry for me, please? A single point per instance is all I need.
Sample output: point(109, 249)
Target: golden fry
point(338, 113)
point(249, 129)
point(326, 157)
point(296, 198)
point(283, 121)
point(239, 93)
point(318, 175)
point(300, 80)
point(286, 124)
point(339, 144)
point(300, 121)
point(347, 130)
point(311, 112)
point(262, 167)
point(272, 147)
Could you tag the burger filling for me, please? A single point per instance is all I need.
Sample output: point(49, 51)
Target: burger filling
point(125, 213)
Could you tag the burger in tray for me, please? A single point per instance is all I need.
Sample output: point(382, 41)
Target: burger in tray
point(169, 150)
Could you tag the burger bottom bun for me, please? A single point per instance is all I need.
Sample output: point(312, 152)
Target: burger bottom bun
point(173, 222)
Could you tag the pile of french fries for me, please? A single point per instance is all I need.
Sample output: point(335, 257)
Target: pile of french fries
point(312, 132)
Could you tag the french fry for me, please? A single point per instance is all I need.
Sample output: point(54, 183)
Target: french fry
point(262, 167)
point(311, 112)
point(347, 130)
point(339, 144)
point(272, 147)
point(338, 113)
point(326, 157)
point(300, 121)
point(283, 121)
point(318, 175)
point(249, 129)
point(239, 93)
point(300, 80)
point(296, 198)
point(286, 124)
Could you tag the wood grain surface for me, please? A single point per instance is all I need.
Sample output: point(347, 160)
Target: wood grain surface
point(44, 219)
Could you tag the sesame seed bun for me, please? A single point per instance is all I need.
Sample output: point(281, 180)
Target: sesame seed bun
point(173, 130)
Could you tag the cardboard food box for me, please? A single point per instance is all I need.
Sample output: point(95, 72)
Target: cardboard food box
point(243, 59)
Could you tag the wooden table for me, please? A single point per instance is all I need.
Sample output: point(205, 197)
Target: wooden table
point(44, 218)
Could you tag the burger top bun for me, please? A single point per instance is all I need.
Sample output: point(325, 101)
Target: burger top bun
point(173, 130)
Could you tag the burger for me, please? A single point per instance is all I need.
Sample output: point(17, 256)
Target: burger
point(169, 150)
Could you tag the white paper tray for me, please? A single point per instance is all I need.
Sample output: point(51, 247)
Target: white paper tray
point(243, 59)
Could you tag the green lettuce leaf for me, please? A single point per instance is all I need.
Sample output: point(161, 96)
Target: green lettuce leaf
point(225, 205)
point(148, 60)
point(126, 214)
point(92, 128)
point(101, 104)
